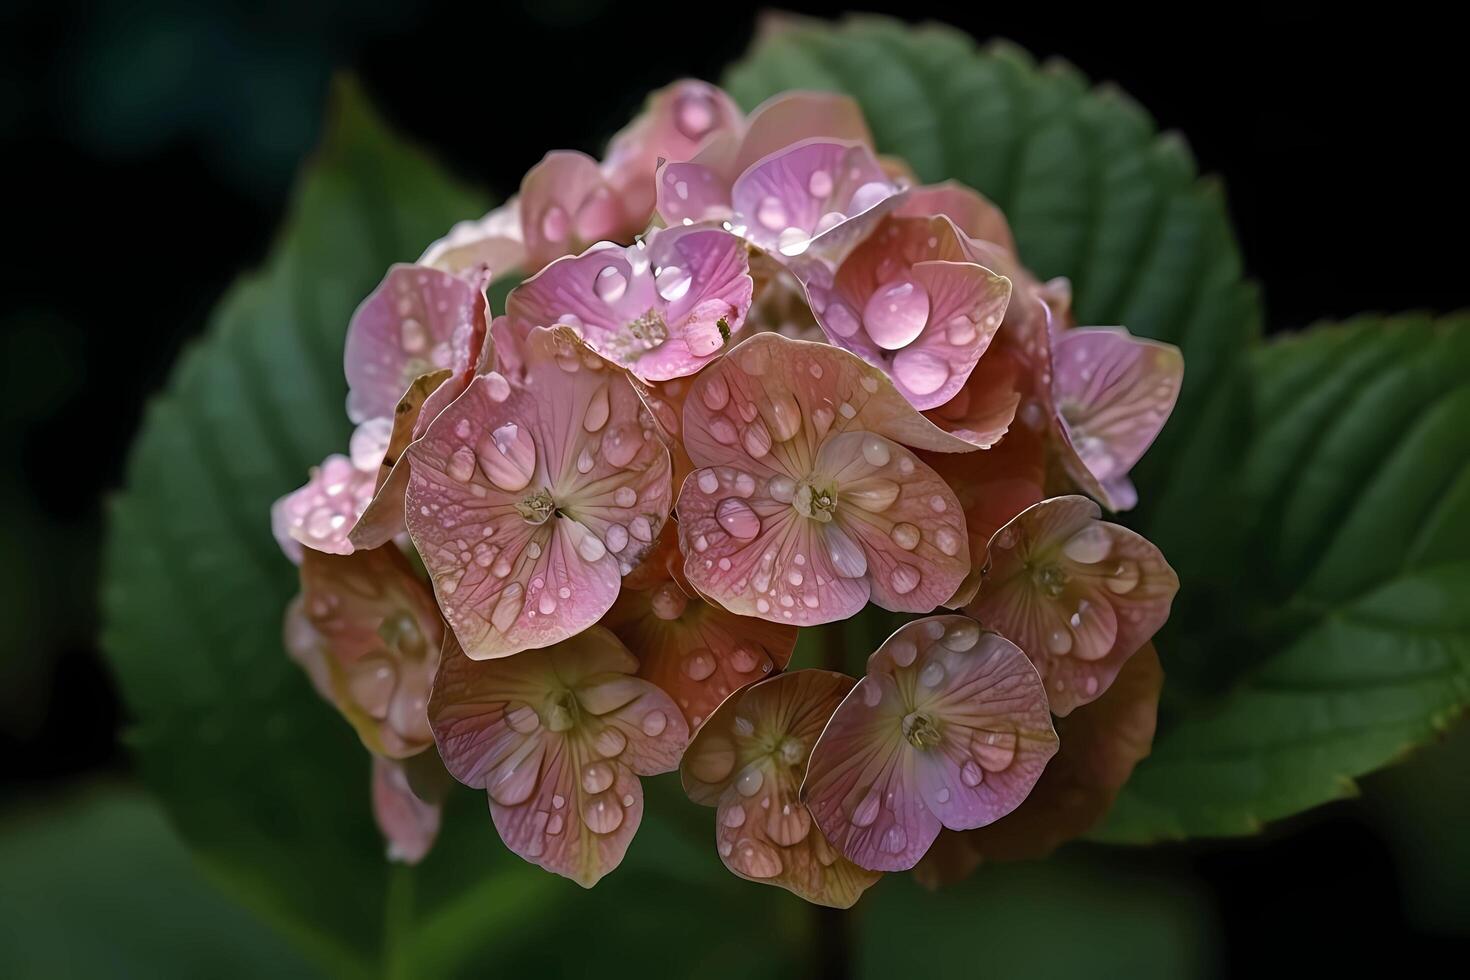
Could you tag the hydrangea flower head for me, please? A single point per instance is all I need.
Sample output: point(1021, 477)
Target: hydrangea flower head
point(949, 728)
point(806, 502)
point(558, 737)
point(748, 761)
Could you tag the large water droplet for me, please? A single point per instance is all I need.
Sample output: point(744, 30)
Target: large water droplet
point(601, 814)
point(462, 464)
point(771, 213)
point(737, 518)
point(905, 578)
point(699, 665)
point(875, 450)
point(895, 839)
point(932, 675)
point(1089, 545)
point(1059, 641)
point(654, 723)
point(872, 495)
point(756, 439)
point(596, 777)
point(672, 282)
point(869, 196)
point(522, 718)
point(948, 541)
point(750, 781)
point(919, 371)
point(598, 409)
point(971, 774)
point(784, 416)
point(713, 391)
point(611, 284)
point(508, 457)
point(1124, 578)
point(896, 313)
point(905, 535)
point(866, 811)
point(782, 488)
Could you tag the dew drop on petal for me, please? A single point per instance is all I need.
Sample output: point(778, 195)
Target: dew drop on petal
point(771, 213)
point(866, 811)
point(947, 540)
point(462, 464)
point(905, 535)
point(903, 652)
point(919, 371)
point(971, 774)
point(715, 393)
point(1059, 641)
point(1089, 545)
point(609, 742)
point(699, 665)
point(896, 313)
point(1124, 578)
point(672, 282)
point(905, 579)
point(737, 518)
point(611, 284)
point(895, 839)
point(750, 781)
point(932, 675)
point(601, 814)
point(654, 723)
point(875, 451)
point(625, 497)
point(819, 184)
point(555, 224)
point(598, 409)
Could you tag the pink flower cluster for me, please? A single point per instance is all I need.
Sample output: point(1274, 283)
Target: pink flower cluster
point(755, 379)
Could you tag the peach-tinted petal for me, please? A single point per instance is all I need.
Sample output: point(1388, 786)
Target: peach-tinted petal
point(950, 728)
point(1113, 394)
point(492, 243)
point(568, 204)
point(418, 321)
point(1077, 594)
point(907, 300)
point(675, 123)
point(981, 411)
point(748, 761)
point(407, 821)
point(532, 495)
point(1101, 742)
point(992, 487)
point(367, 632)
point(976, 216)
point(557, 737)
point(662, 308)
point(819, 195)
point(382, 519)
point(696, 651)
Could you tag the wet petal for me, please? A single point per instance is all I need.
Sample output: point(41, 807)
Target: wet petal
point(418, 321)
point(675, 123)
point(1101, 742)
point(792, 117)
point(661, 309)
point(382, 519)
point(748, 761)
point(1113, 394)
point(694, 650)
point(322, 513)
point(566, 205)
point(907, 300)
point(967, 208)
point(367, 632)
point(408, 823)
point(818, 195)
point(1077, 594)
point(982, 411)
point(492, 243)
point(557, 737)
point(950, 727)
point(532, 495)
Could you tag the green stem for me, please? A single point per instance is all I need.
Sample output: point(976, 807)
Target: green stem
point(397, 921)
point(831, 940)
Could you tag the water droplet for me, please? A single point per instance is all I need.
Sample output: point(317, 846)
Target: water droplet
point(920, 371)
point(611, 284)
point(932, 675)
point(819, 184)
point(601, 814)
point(971, 774)
point(585, 462)
point(596, 777)
point(869, 196)
point(866, 811)
point(555, 824)
point(508, 457)
point(947, 540)
point(1059, 641)
point(654, 723)
point(962, 636)
point(750, 781)
point(960, 332)
point(743, 659)
point(872, 495)
point(895, 839)
point(413, 336)
point(1089, 545)
point(942, 796)
point(905, 535)
point(508, 608)
point(496, 387)
point(547, 604)
point(738, 520)
point(905, 579)
point(598, 409)
point(771, 213)
point(734, 817)
point(903, 652)
point(590, 546)
point(714, 392)
point(1124, 578)
point(756, 439)
point(672, 282)
point(784, 415)
point(896, 313)
point(699, 665)
point(872, 694)
point(522, 717)
point(782, 488)
point(625, 496)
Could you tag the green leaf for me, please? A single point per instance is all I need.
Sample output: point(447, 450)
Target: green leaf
point(1356, 633)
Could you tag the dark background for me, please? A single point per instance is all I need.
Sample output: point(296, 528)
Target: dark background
point(149, 151)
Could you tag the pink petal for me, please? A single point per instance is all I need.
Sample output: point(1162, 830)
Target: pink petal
point(907, 300)
point(804, 504)
point(322, 513)
point(949, 728)
point(1113, 392)
point(792, 117)
point(748, 761)
point(531, 497)
point(557, 738)
point(675, 123)
point(566, 205)
point(970, 210)
point(695, 651)
point(492, 243)
point(1077, 594)
point(410, 824)
point(367, 632)
point(820, 195)
point(417, 321)
point(982, 411)
point(661, 309)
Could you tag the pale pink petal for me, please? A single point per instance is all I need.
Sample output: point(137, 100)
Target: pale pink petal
point(950, 727)
point(1077, 594)
point(367, 632)
point(907, 300)
point(976, 216)
point(418, 321)
point(748, 761)
point(817, 195)
point(557, 737)
point(1113, 394)
point(691, 192)
point(792, 117)
point(662, 309)
point(567, 204)
point(677, 121)
point(408, 823)
point(322, 513)
point(695, 651)
point(531, 496)
point(492, 243)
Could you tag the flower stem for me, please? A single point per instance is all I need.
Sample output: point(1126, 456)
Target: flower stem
point(831, 942)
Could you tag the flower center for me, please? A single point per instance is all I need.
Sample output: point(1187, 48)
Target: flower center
point(650, 330)
point(815, 502)
point(1050, 579)
point(791, 751)
point(401, 633)
point(537, 508)
point(561, 714)
point(921, 730)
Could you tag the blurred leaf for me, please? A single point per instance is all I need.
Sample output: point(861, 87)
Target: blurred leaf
point(1358, 528)
point(98, 886)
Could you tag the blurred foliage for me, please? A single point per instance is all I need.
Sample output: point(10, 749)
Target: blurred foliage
point(270, 789)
